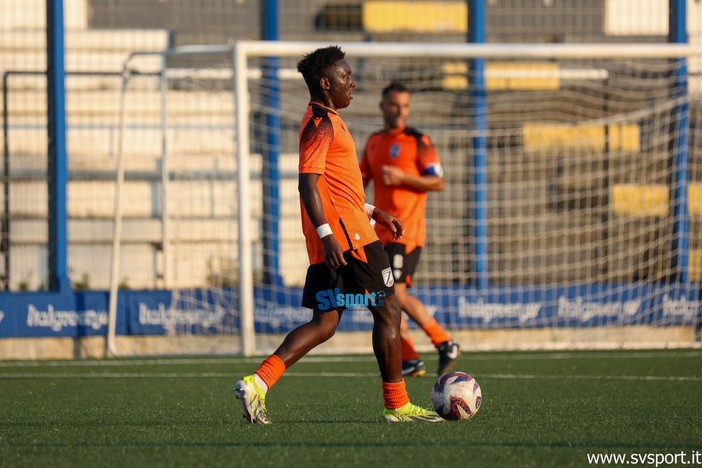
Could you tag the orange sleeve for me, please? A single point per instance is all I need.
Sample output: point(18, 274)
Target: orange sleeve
point(315, 140)
point(427, 160)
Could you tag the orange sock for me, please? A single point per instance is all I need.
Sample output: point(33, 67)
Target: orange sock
point(435, 332)
point(271, 369)
point(408, 351)
point(395, 394)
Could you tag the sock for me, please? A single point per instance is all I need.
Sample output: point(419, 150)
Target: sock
point(259, 381)
point(435, 332)
point(395, 394)
point(270, 370)
point(408, 351)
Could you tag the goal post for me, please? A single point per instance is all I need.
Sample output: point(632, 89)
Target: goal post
point(646, 295)
point(191, 293)
point(591, 212)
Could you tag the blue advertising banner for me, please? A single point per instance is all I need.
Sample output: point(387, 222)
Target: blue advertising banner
point(84, 313)
point(55, 314)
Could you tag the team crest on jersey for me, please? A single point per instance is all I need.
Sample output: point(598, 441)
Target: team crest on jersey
point(387, 277)
point(394, 150)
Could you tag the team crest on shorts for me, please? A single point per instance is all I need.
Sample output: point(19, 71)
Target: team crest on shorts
point(387, 277)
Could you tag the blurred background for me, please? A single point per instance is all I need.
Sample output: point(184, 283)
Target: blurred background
point(583, 180)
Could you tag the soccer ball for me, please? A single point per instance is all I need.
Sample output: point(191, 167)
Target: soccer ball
point(456, 396)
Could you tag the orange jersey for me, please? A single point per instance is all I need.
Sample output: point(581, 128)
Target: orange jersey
point(327, 149)
point(414, 153)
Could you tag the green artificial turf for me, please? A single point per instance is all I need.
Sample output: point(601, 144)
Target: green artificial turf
point(539, 409)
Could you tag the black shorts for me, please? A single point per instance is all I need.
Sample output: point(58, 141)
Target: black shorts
point(403, 263)
point(365, 280)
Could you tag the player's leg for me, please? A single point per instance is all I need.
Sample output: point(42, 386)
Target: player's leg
point(373, 275)
point(386, 346)
point(252, 389)
point(412, 364)
point(307, 336)
point(404, 264)
point(448, 349)
point(412, 306)
point(386, 339)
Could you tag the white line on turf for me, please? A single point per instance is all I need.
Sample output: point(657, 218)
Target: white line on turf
point(506, 356)
point(669, 378)
point(175, 361)
point(218, 375)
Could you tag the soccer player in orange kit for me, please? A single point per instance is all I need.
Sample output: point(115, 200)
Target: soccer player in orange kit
point(403, 166)
point(344, 251)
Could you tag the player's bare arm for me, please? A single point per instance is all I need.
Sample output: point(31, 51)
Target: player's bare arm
point(393, 175)
point(390, 222)
point(309, 193)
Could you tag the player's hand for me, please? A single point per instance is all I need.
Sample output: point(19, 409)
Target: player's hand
point(390, 222)
point(392, 175)
point(333, 253)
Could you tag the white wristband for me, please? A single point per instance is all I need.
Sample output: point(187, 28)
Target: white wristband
point(324, 230)
point(369, 210)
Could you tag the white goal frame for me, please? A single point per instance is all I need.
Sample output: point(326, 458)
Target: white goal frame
point(241, 51)
point(245, 49)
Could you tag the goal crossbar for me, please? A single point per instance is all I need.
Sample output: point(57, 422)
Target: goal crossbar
point(466, 50)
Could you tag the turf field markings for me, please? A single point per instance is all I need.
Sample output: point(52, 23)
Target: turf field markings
point(617, 354)
point(525, 376)
point(359, 358)
point(175, 361)
point(117, 375)
point(667, 378)
point(218, 375)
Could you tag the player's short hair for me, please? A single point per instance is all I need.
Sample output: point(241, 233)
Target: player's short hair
point(315, 65)
point(395, 86)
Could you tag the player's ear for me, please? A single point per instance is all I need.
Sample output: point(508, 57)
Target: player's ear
point(324, 83)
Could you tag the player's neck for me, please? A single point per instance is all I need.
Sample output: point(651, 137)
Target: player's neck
point(314, 101)
point(393, 130)
point(323, 100)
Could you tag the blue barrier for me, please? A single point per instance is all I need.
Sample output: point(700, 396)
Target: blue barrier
point(84, 313)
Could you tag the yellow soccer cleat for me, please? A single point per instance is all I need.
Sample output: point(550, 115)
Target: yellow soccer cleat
point(253, 400)
point(411, 413)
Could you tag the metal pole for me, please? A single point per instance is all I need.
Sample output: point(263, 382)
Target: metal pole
point(110, 340)
point(58, 161)
point(165, 176)
point(271, 153)
point(677, 32)
point(5, 226)
point(476, 78)
point(241, 106)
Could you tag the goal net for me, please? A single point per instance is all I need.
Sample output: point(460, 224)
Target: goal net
point(571, 215)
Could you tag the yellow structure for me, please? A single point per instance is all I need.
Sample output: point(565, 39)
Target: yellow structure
point(417, 17)
point(539, 136)
point(696, 265)
point(640, 200)
point(694, 192)
point(501, 76)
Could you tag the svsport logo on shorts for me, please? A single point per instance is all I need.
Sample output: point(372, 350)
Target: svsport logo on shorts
point(329, 299)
